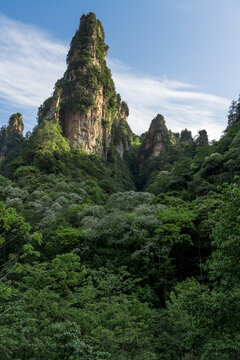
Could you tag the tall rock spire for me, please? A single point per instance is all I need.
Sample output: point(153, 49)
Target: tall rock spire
point(11, 135)
point(202, 139)
point(85, 101)
point(157, 138)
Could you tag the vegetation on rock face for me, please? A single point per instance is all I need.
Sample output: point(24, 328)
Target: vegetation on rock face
point(186, 135)
point(86, 93)
point(87, 66)
point(16, 123)
point(92, 269)
point(11, 138)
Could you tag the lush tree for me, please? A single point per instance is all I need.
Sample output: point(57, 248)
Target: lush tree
point(208, 316)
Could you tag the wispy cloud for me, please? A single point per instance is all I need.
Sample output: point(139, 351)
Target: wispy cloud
point(182, 104)
point(31, 62)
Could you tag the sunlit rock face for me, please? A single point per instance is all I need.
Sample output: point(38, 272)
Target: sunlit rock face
point(85, 102)
point(157, 137)
point(156, 141)
point(11, 135)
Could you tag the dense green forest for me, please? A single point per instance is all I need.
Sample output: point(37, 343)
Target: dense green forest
point(121, 258)
point(91, 268)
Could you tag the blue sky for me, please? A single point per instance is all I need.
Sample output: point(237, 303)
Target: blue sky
point(175, 57)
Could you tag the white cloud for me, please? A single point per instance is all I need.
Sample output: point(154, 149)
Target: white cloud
point(180, 103)
point(31, 62)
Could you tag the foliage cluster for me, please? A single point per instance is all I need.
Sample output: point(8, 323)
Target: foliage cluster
point(92, 284)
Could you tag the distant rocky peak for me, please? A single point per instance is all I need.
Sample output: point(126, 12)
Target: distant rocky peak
point(88, 41)
point(11, 135)
point(15, 123)
point(157, 137)
point(202, 139)
point(85, 102)
point(155, 140)
point(158, 123)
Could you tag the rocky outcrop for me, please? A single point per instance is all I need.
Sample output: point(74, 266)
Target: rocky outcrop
point(11, 135)
point(202, 139)
point(157, 138)
point(85, 102)
point(50, 108)
point(15, 124)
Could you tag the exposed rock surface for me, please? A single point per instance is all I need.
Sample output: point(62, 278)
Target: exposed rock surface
point(11, 135)
point(85, 102)
point(157, 139)
point(50, 108)
point(202, 139)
